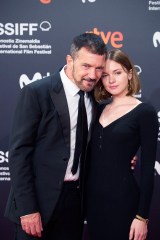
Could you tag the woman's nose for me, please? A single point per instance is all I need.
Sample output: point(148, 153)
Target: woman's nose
point(111, 79)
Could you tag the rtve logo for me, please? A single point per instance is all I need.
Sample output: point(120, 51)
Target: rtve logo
point(46, 1)
point(156, 39)
point(115, 38)
point(24, 79)
point(3, 157)
point(22, 28)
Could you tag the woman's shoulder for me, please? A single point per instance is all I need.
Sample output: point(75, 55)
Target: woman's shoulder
point(147, 107)
point(147, 113)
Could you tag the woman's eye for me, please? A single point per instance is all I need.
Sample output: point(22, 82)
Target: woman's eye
point(104, 75)
point(117, 73)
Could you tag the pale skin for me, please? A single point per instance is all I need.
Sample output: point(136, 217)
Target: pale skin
point(32, 224)
point(84, 70)
point(115, 80)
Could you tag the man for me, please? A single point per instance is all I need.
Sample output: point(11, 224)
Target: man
point(45, 198)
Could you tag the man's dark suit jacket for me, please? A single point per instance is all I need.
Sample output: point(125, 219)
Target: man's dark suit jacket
point(39, 149)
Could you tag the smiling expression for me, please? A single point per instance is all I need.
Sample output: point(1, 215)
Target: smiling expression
point(85, 69)
point(115, 78)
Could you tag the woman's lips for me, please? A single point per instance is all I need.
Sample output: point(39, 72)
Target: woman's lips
point(113, 87)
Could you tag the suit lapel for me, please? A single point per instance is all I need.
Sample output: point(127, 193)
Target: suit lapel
point(60, 102)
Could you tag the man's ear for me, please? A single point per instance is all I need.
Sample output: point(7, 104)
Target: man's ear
point(69, 61)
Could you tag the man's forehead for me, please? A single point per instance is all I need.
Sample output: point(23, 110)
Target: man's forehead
point(89, 56)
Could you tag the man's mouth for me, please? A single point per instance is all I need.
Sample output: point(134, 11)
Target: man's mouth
point(89, 80)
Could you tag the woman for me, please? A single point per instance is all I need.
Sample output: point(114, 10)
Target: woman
point(117, 208)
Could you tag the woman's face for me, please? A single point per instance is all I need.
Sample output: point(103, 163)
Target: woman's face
point(115, 78)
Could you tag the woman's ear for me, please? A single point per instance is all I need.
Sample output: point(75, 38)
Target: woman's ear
point(130, 74)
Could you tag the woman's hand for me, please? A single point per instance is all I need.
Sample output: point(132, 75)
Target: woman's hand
point(138, 230)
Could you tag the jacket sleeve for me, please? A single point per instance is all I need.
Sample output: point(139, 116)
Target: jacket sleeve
point(21, 147)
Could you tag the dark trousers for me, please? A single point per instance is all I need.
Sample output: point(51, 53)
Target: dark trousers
point(67, 220)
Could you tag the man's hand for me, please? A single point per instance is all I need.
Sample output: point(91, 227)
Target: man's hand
point(138, 230)
point(32, 224)
point(133, 162)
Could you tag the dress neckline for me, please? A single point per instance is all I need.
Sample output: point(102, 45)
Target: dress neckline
point(119, 118)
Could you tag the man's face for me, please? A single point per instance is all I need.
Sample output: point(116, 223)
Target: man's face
point(86, 69)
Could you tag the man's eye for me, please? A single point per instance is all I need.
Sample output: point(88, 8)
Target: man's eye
point(86, 66)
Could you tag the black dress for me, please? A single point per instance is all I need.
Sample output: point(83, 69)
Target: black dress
point(113, 197)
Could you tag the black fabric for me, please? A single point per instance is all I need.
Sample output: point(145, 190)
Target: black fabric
point(66, 222)
point(36, 180)
point(112, 191)
point(81, 134)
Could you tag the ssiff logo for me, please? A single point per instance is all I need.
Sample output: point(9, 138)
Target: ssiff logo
point(24, 79)
point(3, 157)
point(22, 28)
point(156, 39)
point(45, 26)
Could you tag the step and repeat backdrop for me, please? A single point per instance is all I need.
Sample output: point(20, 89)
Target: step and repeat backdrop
point(35, 37)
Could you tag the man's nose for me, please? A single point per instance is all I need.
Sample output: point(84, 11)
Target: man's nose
point(92, 74)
